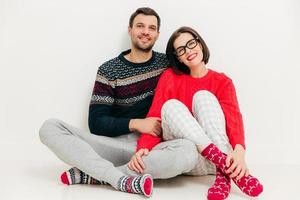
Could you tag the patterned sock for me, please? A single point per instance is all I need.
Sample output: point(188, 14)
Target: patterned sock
point(249, 185)
point(75, 176)
point(138, 184)
point(221, 187)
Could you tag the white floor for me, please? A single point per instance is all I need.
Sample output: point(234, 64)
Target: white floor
point(31, 171)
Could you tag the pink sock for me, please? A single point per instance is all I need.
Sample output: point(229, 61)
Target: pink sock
point(249, 185)
point(221, 187)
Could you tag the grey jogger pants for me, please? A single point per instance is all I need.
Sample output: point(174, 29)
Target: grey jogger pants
point(105, 158)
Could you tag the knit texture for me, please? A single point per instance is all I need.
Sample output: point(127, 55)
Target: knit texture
point(136, 184)
point(183, 88)
point(221, 187)
point(123, 90)
point(247, 184)
point(76, 176)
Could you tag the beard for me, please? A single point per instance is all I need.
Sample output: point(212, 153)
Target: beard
point(145, 49)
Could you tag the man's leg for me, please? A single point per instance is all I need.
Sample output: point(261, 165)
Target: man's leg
point(169, 159)
point(94, 155)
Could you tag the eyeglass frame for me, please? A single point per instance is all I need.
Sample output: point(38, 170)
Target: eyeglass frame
point(186, 46)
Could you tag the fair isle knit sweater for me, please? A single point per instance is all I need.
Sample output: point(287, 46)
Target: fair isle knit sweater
point(123, 90)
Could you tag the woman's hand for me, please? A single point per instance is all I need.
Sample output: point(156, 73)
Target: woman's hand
point(136, 163)
point(236, 160)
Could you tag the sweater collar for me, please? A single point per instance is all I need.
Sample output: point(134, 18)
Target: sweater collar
point(127, 62)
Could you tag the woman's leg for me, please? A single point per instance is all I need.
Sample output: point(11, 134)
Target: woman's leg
point(179, 123)
point(209, 114)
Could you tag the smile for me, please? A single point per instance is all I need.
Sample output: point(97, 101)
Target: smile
point(144, 39)
point(191, 57)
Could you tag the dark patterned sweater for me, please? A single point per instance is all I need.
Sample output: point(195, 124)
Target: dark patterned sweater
point(123, 90)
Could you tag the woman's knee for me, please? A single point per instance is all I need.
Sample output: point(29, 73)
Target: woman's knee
point(203, 95)
point(171, 105)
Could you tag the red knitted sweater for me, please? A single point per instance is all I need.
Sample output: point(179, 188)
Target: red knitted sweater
point(183, 88)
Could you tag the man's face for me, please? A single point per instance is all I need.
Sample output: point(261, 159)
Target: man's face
point(144, 32)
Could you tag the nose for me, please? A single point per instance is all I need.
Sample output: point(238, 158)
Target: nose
point(187, 50)
point(145, 31)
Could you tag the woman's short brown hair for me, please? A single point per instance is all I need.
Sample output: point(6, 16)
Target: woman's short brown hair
point(177, 66)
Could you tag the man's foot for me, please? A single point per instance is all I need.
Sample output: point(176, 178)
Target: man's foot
point(75, 176)
point(136, 184)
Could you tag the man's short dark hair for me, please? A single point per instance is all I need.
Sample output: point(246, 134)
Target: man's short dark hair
point(145, 11)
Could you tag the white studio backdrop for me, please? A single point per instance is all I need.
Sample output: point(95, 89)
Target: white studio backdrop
point(50, 52)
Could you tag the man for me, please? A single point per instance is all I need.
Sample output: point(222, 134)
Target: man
point(122, 95)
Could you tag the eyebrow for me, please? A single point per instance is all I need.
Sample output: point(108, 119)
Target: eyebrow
point(186, 43)
point(151, 25)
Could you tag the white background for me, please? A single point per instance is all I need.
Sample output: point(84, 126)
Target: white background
point(50, 52)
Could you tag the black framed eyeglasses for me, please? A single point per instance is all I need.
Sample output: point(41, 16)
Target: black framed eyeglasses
point(182, 49)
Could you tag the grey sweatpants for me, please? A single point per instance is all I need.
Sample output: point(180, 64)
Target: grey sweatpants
point(106, 158)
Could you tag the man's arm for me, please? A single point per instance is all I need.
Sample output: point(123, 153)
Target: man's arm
point(102, 123)
point(102, 120)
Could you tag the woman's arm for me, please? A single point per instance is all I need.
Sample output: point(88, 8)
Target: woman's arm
point(234, 129)
point(236, 160)
point(233, 117)
point(162, 94)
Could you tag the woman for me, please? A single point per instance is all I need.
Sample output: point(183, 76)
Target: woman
point(199, 104)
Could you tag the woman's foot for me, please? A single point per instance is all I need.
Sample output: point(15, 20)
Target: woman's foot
point(221, 187)
point(248, 184)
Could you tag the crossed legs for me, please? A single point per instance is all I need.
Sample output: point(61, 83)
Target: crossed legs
point(105, 159)
point(205, 127)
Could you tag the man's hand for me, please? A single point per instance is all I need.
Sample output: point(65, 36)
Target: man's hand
point(236, 160)
point(136, 163)
point(150, 125)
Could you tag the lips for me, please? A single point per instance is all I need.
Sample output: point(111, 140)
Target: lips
point(191, 57)
point(144, 39)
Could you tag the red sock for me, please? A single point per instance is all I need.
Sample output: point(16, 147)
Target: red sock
point(221, 187)
point(249, 185)
point(64, 178)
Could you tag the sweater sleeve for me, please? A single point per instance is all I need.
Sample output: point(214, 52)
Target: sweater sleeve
point(102, 123)
point(233, 117)
point(162, 94)
point(101, 120)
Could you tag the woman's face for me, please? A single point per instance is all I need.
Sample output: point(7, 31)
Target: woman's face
point(188, 50)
